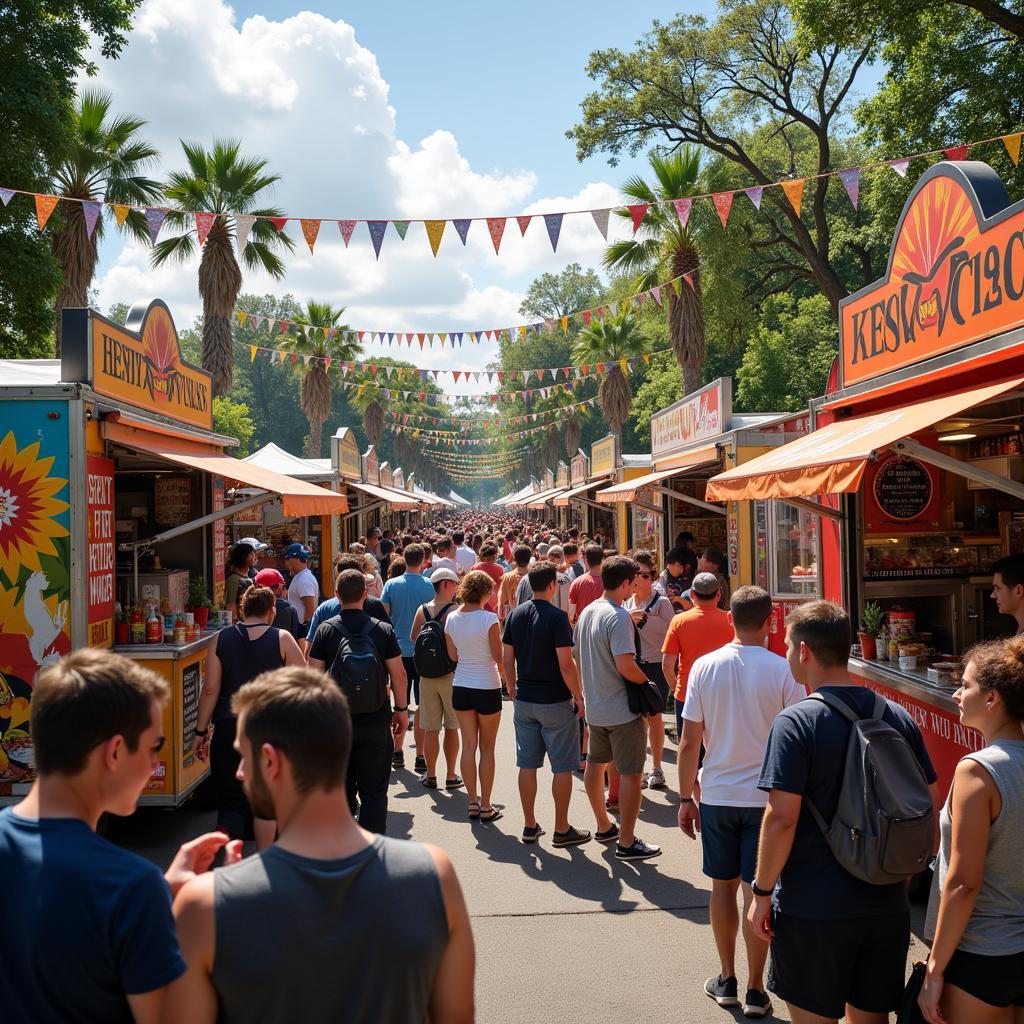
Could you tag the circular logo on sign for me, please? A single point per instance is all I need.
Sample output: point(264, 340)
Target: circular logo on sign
point(903, 487)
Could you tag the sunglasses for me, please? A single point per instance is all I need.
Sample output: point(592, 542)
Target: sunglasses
point(646, 575)
point(159, 745)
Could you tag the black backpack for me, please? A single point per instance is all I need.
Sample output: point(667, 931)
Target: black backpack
point(358, 669)
point(430, 654)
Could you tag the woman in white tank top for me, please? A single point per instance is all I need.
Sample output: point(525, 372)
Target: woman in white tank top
point(474, 642)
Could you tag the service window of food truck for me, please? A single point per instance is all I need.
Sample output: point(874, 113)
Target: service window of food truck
point(786, 550)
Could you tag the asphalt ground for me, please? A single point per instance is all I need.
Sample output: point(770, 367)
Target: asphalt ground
point(572, 935)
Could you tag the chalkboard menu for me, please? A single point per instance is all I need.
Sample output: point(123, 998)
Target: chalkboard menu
point(173, 500)
point(903, 488)
point(189, 710)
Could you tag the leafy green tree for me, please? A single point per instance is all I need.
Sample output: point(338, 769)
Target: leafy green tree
point(104, 164)
point(233, 420)
point(552, 296)
point(223, 182)
point(662, 387)
point(44, 46)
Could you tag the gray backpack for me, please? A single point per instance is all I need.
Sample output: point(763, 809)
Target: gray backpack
point(883, 829)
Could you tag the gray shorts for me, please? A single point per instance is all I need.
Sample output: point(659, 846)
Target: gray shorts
point(550, 729)
point(625, 745)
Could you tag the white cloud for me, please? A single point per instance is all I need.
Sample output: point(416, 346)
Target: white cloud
point(304, 94)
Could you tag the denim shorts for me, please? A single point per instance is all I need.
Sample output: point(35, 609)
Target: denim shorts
point(547, 728)
point(729, 836)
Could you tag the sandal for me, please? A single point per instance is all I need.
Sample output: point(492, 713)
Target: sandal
point(430, 781)
point(474, 809)
point(491, 814)
point(453, 783)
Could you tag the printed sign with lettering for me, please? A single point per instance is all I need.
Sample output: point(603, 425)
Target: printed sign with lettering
point(603, 456)
point(579, 469)
point(99, 495)
point(172, 500)
point(702, 415)
point(345, 454)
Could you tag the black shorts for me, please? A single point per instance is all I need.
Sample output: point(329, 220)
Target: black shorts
point(820, 966)
point(656, 674)
point(996, 980)
point(483, 702)
point(413, 693)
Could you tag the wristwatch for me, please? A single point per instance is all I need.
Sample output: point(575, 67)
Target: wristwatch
point(203, 733)
point(396, 710)
point(758, 891)
point(687, 800)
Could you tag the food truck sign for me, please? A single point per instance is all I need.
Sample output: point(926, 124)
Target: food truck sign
point(955, 275)
point(139, 364)
point(705, 413)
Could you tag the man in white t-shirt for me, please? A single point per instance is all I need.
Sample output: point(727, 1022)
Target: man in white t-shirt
point(442, 558)
point(465, 557)
point(732, 698)
point(303, 591)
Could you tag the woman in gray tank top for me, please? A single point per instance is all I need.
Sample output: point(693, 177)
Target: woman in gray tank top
point(976, 967)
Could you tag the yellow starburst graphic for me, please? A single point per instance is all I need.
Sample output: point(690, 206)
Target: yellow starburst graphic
point(28, 508)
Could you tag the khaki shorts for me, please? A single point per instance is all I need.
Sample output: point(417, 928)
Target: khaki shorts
point(625, 745)
point(435, 706)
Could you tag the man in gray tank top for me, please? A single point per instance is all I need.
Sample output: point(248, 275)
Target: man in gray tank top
point(308, 929)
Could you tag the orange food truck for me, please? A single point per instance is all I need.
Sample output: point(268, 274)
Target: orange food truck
point(914, 468)
point(114, 490)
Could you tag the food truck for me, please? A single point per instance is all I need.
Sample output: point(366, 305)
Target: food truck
point(114, 491)
point(914, 468)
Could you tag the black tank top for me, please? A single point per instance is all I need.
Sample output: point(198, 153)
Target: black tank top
point(242, 659)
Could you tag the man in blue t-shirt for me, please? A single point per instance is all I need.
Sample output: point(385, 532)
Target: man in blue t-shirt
point(90, 934)
point(403, 596)
point(838, 943)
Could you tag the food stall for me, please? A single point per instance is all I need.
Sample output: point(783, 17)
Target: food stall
point(575, 500)
point(113, 490)
point(914, 467)
point(377, 500)
point(538, 506)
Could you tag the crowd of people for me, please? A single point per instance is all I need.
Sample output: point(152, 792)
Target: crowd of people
point(305, 718)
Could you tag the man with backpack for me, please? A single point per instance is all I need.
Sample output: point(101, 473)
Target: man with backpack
point(436, 671)
point(363, 657)
point(830, 890)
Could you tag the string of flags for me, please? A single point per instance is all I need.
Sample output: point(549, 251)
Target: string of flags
point(517, 333)
point(793, 190)
point(454, 440)
point(462, 422)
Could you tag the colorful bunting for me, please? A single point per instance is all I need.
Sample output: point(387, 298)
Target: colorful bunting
point(638, 211)
point(5, 195)
point(278, 222)
point(524, 223)
point(1012, 144)
point(956, 153)
point(401, 227)
point(851, 182)
point(496, 227)
point(347, 227)
point(243, 227)
point(45, 205)
point(462, 227)
point(754, 195)
point(91, 212)
point(794, 193)
point(435, 229)
point(377, 229)
point(204, 221)
point(723, 204)
point(121, 213)
point(154, 222)
point(900, 166)
point(683, 207)
point(553, 222)
point(601, 220)
point(310, 229)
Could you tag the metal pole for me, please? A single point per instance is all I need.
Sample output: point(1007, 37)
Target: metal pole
point(707, 506)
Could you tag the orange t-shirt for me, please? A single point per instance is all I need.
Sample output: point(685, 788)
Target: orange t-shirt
point(691, 635)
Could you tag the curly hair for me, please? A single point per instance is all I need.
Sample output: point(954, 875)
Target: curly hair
point(476, 587)
point(999, 666)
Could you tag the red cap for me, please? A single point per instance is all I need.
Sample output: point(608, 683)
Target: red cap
point(269, 578)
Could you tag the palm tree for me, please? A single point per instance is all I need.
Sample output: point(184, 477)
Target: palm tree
point(328, 339)
point(606, 342)
point(664, 250)
point(573, 434)
point(220, 181)
point(368, 403)
point(102, 165)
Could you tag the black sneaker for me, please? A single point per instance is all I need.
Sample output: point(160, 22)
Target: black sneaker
point(531, 835)
point(722, 990)
point(609, 836)
point(398, 760)
point(421, 764)
point(574, 837)
point(756, 1003)
point(638, 851)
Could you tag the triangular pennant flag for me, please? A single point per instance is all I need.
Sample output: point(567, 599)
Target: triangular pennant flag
point(754, 195)
point(327, 362)
point(278, 222)
point(455, 376)
point(252, 353)
point(242, 317)
point(435, 229)
point(1012, 144)
point(524, 223)
point(723, 204)
point(346, 227)
point(462, 227)
point(638, 211)
point(794, 193)
point(601, 220)
point(401, 226)
point(565, 325)
point(851, 182)
point(5, 195)
point(121, 212)
point(900, 166)
point(496, 227)
point(656, 292)
point(377, 229)
point(45, 205)
point(553, 222)
point(956, 153)
point(154, 221)
point(243, 225)
point(310, 229)
point(91, 212)
point(683, 207)
point(204, 221)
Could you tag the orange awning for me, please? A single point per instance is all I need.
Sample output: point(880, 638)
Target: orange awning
point(832, 460)
point(688, 459)
point(562, 501)
point(626, 491)
point(540, 499)
point(299, 498)
point(401, 501)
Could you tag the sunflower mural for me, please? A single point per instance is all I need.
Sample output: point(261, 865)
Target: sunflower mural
point(34, 566)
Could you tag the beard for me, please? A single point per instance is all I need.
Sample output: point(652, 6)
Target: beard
point(258, 794)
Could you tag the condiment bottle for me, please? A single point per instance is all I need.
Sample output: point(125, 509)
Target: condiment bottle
point(883, 645)
point(138, 626)
point(154, 627)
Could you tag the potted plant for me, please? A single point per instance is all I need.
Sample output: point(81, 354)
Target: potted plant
point(198, 600)
point(870, 627)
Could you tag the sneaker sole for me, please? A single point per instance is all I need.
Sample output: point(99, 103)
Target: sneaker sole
point(607, 839)
point(756, 1012)
point(723, 1000)
point(650, 856)
point(561, 844)
point(533, 838)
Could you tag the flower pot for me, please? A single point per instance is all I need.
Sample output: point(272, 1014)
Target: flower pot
point(202, 616)
point(868, 646)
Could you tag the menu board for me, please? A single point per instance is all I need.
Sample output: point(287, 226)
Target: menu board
point(100, 549)
point(189, 710)
point(903, 488)
point(173, 500)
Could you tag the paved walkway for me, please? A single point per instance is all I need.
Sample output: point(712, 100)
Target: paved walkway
point(568, 935)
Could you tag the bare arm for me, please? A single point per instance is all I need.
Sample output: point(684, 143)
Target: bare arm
point(570, 674)
point(508, 657)
point(629, 669)
point(290, 650)
point(669, 665)
point(399, 681)
point(451, 1000)
point(494, 639)
point(689, 754)
point(417, 624)
point(192, 997)
point(309, 605)
point(207, 701)
point(777, 831)
point(453, 651)
point(146, 1008)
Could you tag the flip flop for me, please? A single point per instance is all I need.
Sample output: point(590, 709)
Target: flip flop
point(430, 781)
point(490, 815)
point(453, 783)
point(471, 812)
